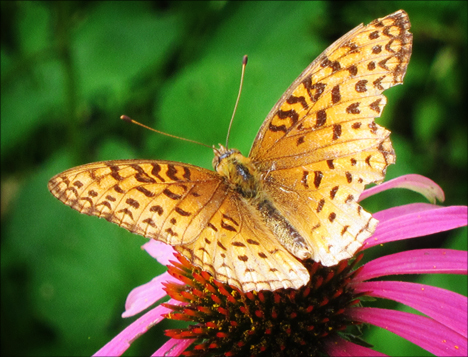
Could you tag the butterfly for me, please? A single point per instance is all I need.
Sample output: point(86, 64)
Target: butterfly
point(253, 220)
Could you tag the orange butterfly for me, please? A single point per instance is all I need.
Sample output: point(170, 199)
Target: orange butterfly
point(252, 221)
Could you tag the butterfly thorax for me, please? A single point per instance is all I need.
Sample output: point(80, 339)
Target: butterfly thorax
point(238, 170)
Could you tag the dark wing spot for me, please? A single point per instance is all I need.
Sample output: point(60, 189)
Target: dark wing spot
point(173, 221)
point(375, 105)
point(371, 66)
point(373, 127)
point(127, 212)
point(132, 202)
point(115, 173)
point(182, 212)
point(336, 131)
point(171, 172)
point(118, 189)
point(321, 118)
point(77, 184)
point(292, 100)
point(377, 83)
point(352, 70)
point(158, 209)
point(332, 217)
point(251, 241)
point(207, 241)
point(383, 64)
point(212, 226)
point(221, 246)
point(288, 114)
point(243, 258)
point(300, 140)
point(330, 164)
point(110, 198)
point(353, 161)
point(353, 48)
point(149, 222)
point(227, 227)
point(262, 255)
point(141, 175)
point(230, 219)
point(276, 128)
point(320, 205)
point(171, 195)
point(318, 87)
point(195, 194)
point(238, 244)
point(349, 177)
point(353, 108)
point(105, 203)
point(368, 160)
point(349, 199)
point(335, 94)
point(144, 191)
point(333, 192)
point(343, 231)
point(376, 49)
point(373, 35)
point(361, 86)
point(187, 173)
point(92, 193)
point(317, 178)
point(356, 125)
point(171, 232)
point(155, 172)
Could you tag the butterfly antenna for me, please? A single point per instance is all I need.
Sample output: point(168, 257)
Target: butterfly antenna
point(244, 63)
point(130, 120)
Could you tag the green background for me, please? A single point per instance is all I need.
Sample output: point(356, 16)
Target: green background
point(70, 69)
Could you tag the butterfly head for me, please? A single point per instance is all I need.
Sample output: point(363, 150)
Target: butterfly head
point(238, 170)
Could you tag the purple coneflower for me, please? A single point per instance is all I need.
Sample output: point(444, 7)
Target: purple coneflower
point(323, 317)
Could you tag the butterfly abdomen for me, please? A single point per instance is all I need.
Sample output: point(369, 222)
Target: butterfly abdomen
point(286, 234)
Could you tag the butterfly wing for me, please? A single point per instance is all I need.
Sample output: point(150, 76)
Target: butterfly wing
point(187, 207)
point(319, 146)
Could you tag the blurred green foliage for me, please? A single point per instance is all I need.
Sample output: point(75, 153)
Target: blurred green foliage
point(70, 69)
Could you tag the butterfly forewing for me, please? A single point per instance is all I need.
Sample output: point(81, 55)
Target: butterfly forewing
point(165, 200)
point(320, 146)
point(188, 207)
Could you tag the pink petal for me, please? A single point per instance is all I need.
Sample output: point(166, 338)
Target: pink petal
point(415, 220)
point(120, 343)
point(336, 346)
point(160, 251)
point(418, 261)
point(146, 295)
point(173, 347)
point(417, 183)
point(422, 331)
point(442, 305)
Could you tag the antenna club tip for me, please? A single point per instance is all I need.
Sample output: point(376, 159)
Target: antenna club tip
point(126, 118)
point(244, 60)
